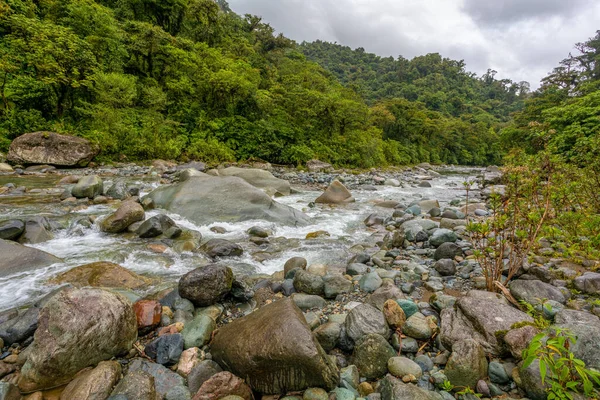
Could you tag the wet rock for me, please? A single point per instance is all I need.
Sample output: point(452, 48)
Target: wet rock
point(259, 232)
point(207, 199)
point(533, 291)
point(447, 250)
point(88, 186)
point(275, 350)
point(588, 283)
point(11, 229)
point(51, 148)
point(401, 366)
point(77, 328)
point(127, 213)
point(148, 314)
point(155, 226)
point(37, 230)
point(18, 326)
point(221, 248)
point(259, 178)
point(93, 384)
point(328, 335)
point(293, 263)
point(201, 373)
point(336, 193)
point(198, 331)
point(168, 384)
point(190, 358)
point(363, 320)
point(419, 326)
point(223, 384)
point(370, 282)
point(240, 291)
point(445, 267)
point(371, 355)
point(102, 274)
point(166, 349)
point(335, 285)
point(394, 314)
point(309, 283)
point(138, 385)
point(479, 318)
point(17, 258)
point(467, 364)
point(206, 285)
point(118, 190)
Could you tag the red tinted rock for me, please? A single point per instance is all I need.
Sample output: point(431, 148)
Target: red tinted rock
point(223, 384)
point(148, 313)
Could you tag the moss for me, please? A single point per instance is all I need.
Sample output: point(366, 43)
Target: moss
point(521, 324)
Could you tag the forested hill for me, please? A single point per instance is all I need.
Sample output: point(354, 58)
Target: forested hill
point(183, 79)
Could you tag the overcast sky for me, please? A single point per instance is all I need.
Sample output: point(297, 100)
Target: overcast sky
point(521, 39)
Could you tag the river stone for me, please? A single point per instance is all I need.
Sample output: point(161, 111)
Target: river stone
point(51, 148)
point(11, 229)
point(442, 236)
point(221, 248)
point(586, 327)
point(336, 193)
point(448, 223)
point(127, 213)
point(201, 373)
point(309, 283)
point(222, 385)
point(387, 291)
point(118, 190)
point(77, 328)
point(88, 186)
point(167, 383)
point(206, 285)
point(328, 335)
point(165, 349)
point(533, 291)
point(4, 167)
point(148, 314)
point(102, 274)
point(138, 385)
point(401, 366)
point(197, 332)
point(315, 394)
point(467, 364)
point(497, 373)
point(208, 199)
point(392, 388)
point(17, 258)
point(293, 263)
point(428, 205)
point(370, 282)
point(336, 285)
point(259, 178)
point(363, 320)
point(408, 306)
point(477, 317)
point(274, 350)
point(445, 267)
point(308, 301)
point(93, 384)
point(394, 314)
point(447, 250)
point(588, 283)
point(371, 355)
point(418, 326)
point(155, 226)
point(37, 230)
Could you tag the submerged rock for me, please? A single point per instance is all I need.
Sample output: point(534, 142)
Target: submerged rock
point(77, 328)
point(274, 350)
point(51, 148)
point(208, 199)
point(16, 258)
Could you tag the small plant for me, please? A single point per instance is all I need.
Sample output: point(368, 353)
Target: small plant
point(539, 320)
point(559, 367)
point(447, 386)
point(467, 390)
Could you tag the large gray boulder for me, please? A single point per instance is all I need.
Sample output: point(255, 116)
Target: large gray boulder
point(77, 328)
point(534, 291)
point(51, 148)
point(586, 327)
point(365, 319)
point(208, 199)
point(479, 316)
point(589, 283)
point(259, 178)
point(16, 258)
point(274, 351)
point(336, 193)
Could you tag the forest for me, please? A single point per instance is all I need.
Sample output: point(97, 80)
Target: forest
point(190, 79)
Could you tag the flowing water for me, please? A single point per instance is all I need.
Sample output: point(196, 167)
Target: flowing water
point(77, 245)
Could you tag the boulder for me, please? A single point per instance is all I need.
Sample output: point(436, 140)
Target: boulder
point(51, 148)
point(259, 178)
point(118, 190)
point(467, 364)
point(535, 291)
point(208, 199)
point(336, 193)
point(37, 230)
point(88, 186)
point(102, 274)
point(445, 267)
point(371, 355)
point(401, 366)
point(155, 226)
point(274, 350)
point(588, 283)
point(93, 384)
point(138, 385)
point(17, 258)
point(165, 349)
point(127, 213)
point(365, 319)
point(11, 229)
point(293, 263)
point(4, 167)
point(221, 248)
point(77, 328)
point(223, 384)
point(309, 283)
point(206, 285)
point(441, 236)
point(586, 327)
point(479, 317)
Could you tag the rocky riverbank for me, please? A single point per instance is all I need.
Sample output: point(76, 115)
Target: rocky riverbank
point(243, 285)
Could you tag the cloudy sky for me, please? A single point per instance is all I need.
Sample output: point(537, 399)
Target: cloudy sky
point(521, 39)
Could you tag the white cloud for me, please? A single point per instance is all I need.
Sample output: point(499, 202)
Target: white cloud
point(521, 39)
